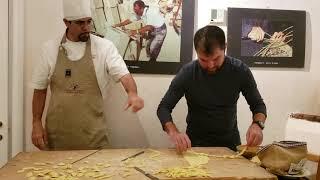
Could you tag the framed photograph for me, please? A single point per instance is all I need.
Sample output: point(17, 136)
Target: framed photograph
point(157, 37)
point(267, 37)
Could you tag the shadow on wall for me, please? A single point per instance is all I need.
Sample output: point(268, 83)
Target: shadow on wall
point(124, 127)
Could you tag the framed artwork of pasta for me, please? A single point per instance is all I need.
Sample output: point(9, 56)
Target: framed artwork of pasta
point(267, 37)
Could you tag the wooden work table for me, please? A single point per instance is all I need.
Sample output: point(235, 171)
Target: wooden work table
point(150, 161)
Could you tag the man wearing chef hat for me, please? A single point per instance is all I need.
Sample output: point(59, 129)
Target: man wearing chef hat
point(78, 67)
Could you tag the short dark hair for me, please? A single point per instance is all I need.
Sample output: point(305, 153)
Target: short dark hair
point(139, 3)
point(208, 38)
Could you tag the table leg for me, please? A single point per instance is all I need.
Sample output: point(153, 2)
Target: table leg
point(125, 51)
point(318, 170)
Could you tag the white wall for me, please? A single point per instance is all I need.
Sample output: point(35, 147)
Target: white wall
point(42, 22)
point(284, 90)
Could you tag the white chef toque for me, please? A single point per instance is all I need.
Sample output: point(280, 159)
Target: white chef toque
point(76, 9)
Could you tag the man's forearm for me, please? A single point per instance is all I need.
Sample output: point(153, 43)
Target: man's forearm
point(123, 23)
point(168, 102)
point(38, 103)
point(129, 84)
point(170, 127)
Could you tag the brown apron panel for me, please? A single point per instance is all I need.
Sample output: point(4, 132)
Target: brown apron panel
point(75, 117)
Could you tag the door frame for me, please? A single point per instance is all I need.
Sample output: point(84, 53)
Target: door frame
point(16, 74)
point(12, 80)
point(4, 75)
point(16, 77)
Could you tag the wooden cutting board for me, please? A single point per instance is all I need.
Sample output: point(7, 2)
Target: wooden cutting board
point(217, 167)
point(149, 161)
point(29, 159)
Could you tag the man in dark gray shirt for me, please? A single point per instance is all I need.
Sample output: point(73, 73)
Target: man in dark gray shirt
point(211, 86)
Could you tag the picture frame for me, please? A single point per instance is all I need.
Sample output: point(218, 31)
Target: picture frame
point(181, 51)
point(267, 37)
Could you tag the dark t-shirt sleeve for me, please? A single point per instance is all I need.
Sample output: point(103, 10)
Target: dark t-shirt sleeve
point(251, 93)
point(173, 95)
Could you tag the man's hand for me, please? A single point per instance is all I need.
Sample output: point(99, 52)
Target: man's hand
point(118, 25)
point(181, 141)
point(133, 32)
point(256, 34)
point(39, 135)
point(254, 135)
point(278, 37)
point(135, 102)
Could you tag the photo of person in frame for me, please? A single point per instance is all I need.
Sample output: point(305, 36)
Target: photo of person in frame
point(142, 30)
